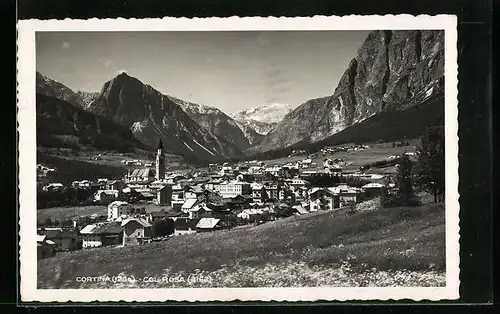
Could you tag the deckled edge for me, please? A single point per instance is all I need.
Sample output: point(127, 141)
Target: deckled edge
point(117, 295)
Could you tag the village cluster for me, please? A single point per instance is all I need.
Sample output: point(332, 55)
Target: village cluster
point(223, 197)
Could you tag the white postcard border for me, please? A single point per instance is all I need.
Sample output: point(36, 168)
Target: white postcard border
point(27, 158)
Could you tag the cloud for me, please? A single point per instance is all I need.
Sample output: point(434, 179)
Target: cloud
point(107, 63)
point(65, 45)
point(263, 40)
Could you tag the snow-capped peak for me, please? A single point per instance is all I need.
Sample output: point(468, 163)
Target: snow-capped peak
point(269, 113)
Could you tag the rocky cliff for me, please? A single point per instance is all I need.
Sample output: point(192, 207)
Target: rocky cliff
point(393, 70)
point(87, 97)
point(151, 115)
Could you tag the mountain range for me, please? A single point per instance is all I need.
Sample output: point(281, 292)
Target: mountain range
point(395, 75)
point(393, 70)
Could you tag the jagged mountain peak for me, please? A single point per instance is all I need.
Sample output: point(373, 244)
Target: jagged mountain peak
point(52, 88)
point(152, 115)
point(264, 118)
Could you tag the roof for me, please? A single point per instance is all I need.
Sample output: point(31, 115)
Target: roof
point(373, 185)
point(147, 194)
point(207, 223)
point(142, 172)
point(185, 223)
point(196, 189)
point(141, 221)
point(158, 214)
point(117, 203)
point(301, 210)
point(40, 237)
point(160, 144)
point(330, 191)
point(108, 192)
point(189, 203)
point(50, 233)
point(201, 206)
point(105, 228)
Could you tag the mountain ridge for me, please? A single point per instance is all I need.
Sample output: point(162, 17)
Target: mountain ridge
point(152, 115)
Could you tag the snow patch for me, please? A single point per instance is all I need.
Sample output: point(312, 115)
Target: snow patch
point(428, 93)
point(189, 147)
point(203, 147)
point(137, 127)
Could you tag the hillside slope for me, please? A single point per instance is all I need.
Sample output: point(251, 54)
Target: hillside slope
point(390, 125)
point(393, 246)
point(61, 124)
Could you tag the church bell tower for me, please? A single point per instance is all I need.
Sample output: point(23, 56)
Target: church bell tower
point(160, 162)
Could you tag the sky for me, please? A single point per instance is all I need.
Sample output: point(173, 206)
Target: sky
point(230, 70)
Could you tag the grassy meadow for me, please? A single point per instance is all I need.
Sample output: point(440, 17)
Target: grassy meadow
point(356, 159)
point(70, 212)
point(402, 246)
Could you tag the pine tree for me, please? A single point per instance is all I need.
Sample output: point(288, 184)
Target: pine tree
point(430, 172)
point(404, 179)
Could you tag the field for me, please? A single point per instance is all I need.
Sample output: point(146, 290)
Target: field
point(355, 159)
point(387, 247)
point(70, 212)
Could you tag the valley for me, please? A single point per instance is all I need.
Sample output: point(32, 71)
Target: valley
point(342, 189)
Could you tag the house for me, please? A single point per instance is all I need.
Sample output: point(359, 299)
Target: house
point(200, 210)
point(136, 230)
point(118, 209)
point(373, 189)
point(233, 188)
point(239, 201)
point(347, 194)
point(44, 247)
point(323, 199)
point(300, 193)
point(177, 197)
point(157, 215)
point(101, 234)
point(140, 175)
point(188, 205)
point(115, 185)
point(285, 194)
point(226, 170)
point(208, 196)
point(296, 183)
point(62, 239)
point(272, 191)
point(306, 163)
point(208, 224)
point(106, 196)
point(146, 195)
point(163, 195)
point(184, 226)
point(84, 184)
point(259, 194)
point(53, 187)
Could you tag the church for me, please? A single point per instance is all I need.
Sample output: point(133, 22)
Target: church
point(147, 175)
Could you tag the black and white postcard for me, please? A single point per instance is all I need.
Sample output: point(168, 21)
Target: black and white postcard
point(220, 159)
